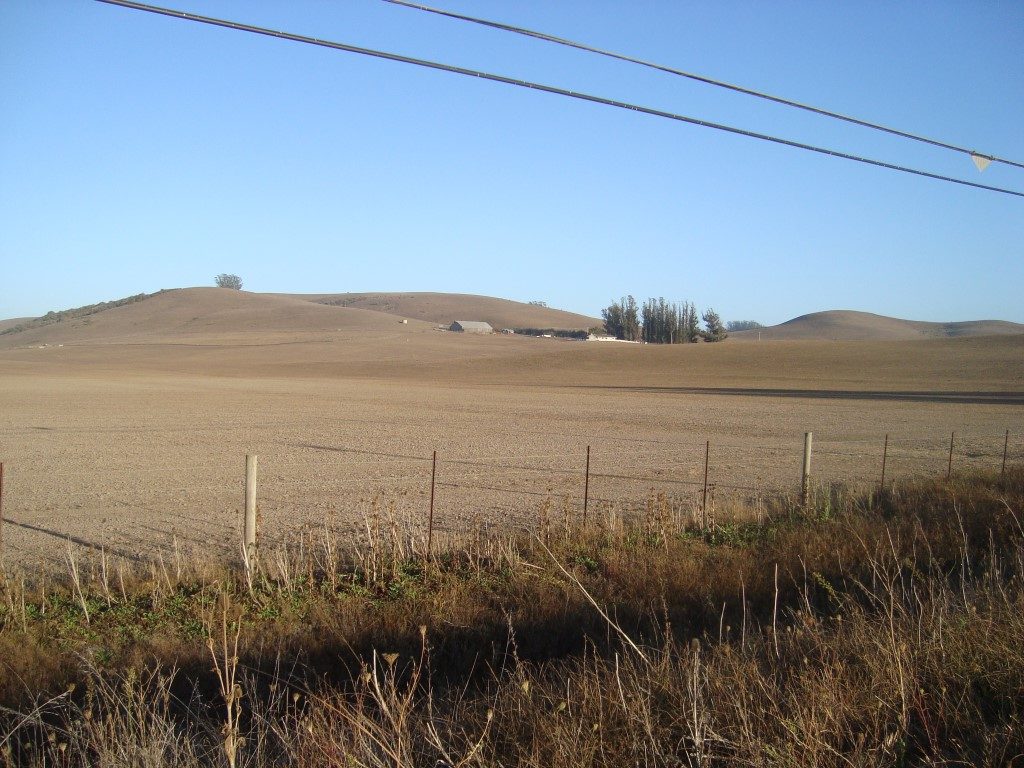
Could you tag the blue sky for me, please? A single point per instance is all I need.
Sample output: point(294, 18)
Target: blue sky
point(140, 152)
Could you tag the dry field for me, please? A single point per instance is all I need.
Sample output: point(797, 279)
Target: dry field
point(133, 433)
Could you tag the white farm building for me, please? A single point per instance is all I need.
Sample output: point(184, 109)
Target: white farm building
point(471, 326)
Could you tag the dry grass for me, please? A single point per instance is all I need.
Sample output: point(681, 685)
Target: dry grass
point(862, 631)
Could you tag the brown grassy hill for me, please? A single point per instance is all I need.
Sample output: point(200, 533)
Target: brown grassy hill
point(218, 332)
point(847, 325)
point(444, 308)
point(14, 321)
point(188, 313)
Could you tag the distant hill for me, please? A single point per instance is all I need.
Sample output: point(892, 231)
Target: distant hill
point(445, 308)
point(847, 325)
point(13, 322)
point(189, 312)
point(183, 314)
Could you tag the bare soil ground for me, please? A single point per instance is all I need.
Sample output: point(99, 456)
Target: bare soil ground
point(133, 433)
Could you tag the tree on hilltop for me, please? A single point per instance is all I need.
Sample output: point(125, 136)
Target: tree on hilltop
point(233, 282)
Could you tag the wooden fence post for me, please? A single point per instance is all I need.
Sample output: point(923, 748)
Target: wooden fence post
point(704, 498)
point(805, 480)
point(2, 511)
point(949, 467)
point(586, 488)
point(250, 534)
point(1006, 446)
point(430, 520)
point(885, 455)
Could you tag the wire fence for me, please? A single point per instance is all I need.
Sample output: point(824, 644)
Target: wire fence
point(134, 507)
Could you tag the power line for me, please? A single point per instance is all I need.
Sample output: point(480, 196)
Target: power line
point(702, 79)
point(546, 89)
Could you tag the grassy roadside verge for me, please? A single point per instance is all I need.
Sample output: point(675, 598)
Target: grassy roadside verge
point(865, 630)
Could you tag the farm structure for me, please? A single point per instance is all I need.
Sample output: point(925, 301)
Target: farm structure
point(471, 326)
point(604, 337)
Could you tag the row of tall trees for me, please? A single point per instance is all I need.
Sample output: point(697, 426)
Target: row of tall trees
point(661, 322)
point(665, 322)
point(621, 319)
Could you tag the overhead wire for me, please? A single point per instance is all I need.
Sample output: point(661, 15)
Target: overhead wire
point(702, 79)
point(238, 26)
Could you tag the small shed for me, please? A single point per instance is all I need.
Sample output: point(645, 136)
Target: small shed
point(471, 326)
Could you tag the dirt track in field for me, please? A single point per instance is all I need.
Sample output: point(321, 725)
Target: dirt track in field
point(128, 442)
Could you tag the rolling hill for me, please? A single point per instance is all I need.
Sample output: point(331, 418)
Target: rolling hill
point(192, 312)
point(220, 332)
point(444, 308)
point(848, 325)
point(13, 322)
point(186, 315)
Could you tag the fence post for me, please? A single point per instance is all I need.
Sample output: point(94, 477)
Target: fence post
point(1006, 446)
point(805, 480)
point(250, 533)
point(430, 520)
point(704, 499)
point(949, 467)
point(586, 488)
point(2, 510)
point(885, 455)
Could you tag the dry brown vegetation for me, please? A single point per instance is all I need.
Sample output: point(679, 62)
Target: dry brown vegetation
point(859, 630)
